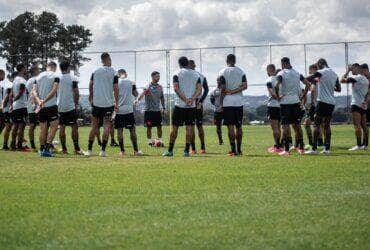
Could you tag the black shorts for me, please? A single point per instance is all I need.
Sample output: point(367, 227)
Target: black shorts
point(48, 114)
point(217, 118)
point(102, 113)
point(152, 119)
point(290, 114)
point(19, 115)
point(68, 118)
point(124, 121)
point(8, 117)
point(273, 113)
point(181, 116)
point(355, 108)
point(199, 117)
point(233, 116)
point(368, 116)
point(324, 109)
point(33, 118)
point(1, 117)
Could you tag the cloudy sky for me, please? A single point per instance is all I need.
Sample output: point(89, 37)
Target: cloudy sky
point(127, 24)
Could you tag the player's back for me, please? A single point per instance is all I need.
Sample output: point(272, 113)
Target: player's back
point(359, 90)
point(290, 86)
point(21, 102)
point(125, 97)
point(326, 86)
point(233, 79)
point(188, 80)
point(45, 82)
point(103, 80)
point(65, 93)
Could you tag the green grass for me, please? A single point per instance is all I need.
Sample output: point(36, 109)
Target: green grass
point(211, 201)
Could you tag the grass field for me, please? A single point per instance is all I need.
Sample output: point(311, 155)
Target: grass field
point(209, 201)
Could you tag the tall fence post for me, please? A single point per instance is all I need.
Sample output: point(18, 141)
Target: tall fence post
point(270, 53)
point(135, 66)
point(305, 58)
point(200, 61)
point(168, 79)
point(347, 85)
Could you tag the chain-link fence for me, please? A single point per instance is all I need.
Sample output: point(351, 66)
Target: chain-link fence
point(252, 58)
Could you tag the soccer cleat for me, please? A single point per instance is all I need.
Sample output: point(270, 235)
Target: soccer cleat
point(78, 152)
point(284, 153)
point(122, 153)
point(278, 150)
point(63, 151)
point(167, 154)
point(103, 153)
point(271, 150)
point(193, 152)
point(186, 153)
point(6, 148)
point(138, 153)
point(88, 153)
point(311, 152)
point(24, 149)
point(231, 153)
point(325, 152)
point(363, 147)
point(202, 151)
point(221, 143)
point(308, 147)
point(355, 148)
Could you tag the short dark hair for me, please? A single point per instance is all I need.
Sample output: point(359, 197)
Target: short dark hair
point(33, 69)
point(355, 65)
point(122, 71)
point(2, 72)
point(14, 74)
point(285, 60)
point(231, 58)
point(104, 56)
point(64, 65)
point(191, 61)
point(365, 66)
point(313, 66)
point(20, 67)
point(271, 66)
point(183, 61)
point(154, 73)
point(322, 62)
point(52, 64)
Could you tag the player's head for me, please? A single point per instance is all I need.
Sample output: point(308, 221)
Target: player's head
point(312, 69)
point(271, 69)
point(365, 69)
point(218, 82)
point(183, 62)
point(231, 59)
point(285, 63)
point(192, 64)
point(34, 70)
point(105, 59)
point(51, 66)
point(2, 75)
point(322, 63)
point(122, 73)
point(356, 69)
point(155, 76)
point(65, 67)
point(21, 69)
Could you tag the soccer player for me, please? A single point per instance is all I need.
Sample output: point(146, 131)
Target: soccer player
point(125, 114)
point(326, 83)
point(2, 123)
point(154, 99)
point(360, 88)
point(33, 119)
point(233, 83)
point(45, 94)
point(6, 105)
point(103, 97)
point(187, 86)
point(273, 108)
point(19, 113)
point(290, 103)
point(67, 101)
point(215, 99)
point(199, 111)
point(367, 74)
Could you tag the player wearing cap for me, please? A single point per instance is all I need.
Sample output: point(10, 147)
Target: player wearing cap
point(68, 98)
point(187, 86)
point(360, 89)
point(125, 117)
point(103, 97)
point(154, 99)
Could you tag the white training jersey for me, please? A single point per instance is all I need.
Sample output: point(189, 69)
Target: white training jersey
point(359, 90)
point(21, 102)
point(271, 83)
point(125, 97)
point(103, 80)
point(326, 85)
point(65, 96)
point(44, 84)
point(234, 77)
point(187, 80)
point(7, 87)
point(216, 95)
point(31, 106)
point(290, 88)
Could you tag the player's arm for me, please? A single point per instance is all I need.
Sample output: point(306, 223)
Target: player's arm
point(52, 93)
point(345, 79)
point(366, 101)
point(337, 87)
point(22, 89)
point(91, 89)
point(7, 97)
point(307, 85)
point(177, 90)
point(271, 91)
point(141, 96)
point(221, 79)
point(242, 87)
point(115, 91)
point(205, 90)
point(313, 94)
point(163, 102)
point(198, 90)
point(134, 90)
point(76, 93)
point(35, 94)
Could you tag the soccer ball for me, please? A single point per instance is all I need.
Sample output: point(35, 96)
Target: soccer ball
point(158, 143)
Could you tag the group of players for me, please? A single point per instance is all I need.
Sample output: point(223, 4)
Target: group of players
point(51, 100)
